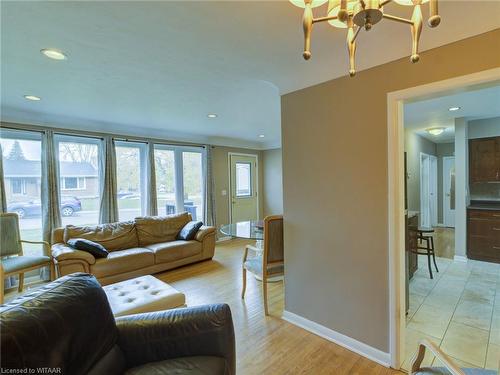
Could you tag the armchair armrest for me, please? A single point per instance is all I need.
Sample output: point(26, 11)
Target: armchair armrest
point(443, 358)
point(46, 245)
point(61, 252)
point(198, 331)
point(204, 231)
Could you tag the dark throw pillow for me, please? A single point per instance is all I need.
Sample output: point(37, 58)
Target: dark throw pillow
point(94, 248)
point(189, 231)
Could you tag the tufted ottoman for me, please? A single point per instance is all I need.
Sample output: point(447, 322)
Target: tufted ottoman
point(142, 294)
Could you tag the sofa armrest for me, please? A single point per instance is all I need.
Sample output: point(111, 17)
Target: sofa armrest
point(61, 252)
point(203, 232)
point(198, 331)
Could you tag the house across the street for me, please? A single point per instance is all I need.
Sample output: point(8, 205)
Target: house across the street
point(22, 179)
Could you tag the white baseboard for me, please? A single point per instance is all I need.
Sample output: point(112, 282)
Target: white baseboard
point(460, 258)
point(347, 342)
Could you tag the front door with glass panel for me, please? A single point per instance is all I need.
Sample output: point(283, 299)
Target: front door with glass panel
point(244, 195)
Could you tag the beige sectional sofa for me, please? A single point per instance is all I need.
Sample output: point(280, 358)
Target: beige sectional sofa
point(146, 245)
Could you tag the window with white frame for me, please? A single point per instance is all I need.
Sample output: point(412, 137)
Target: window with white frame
point(21, 157)
point(131, 179)
point(179, 180)
point(18, 186)
point(80, 179)
point(73, 183)
point(243, 179)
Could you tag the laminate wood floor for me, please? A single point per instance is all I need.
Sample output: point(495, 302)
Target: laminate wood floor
point(265, 345)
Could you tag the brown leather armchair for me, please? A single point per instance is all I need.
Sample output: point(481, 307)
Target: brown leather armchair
point(68, 325)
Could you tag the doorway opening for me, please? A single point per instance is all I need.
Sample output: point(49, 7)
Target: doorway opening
point(461, 299)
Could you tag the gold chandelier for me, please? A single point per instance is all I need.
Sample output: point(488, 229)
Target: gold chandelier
point(357, 14)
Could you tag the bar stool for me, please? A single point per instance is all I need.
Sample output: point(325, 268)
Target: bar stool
point(424, 234)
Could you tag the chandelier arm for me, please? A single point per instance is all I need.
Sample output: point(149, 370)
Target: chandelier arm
point(358, 29)
point(351, 46)
point(307, 24)
point(434, 17)
point(416, 30)
point(397, 19)
point(322, 19)
point(385, 2)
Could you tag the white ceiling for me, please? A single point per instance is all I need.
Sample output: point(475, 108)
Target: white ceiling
point(158, 68)
point(434, 113)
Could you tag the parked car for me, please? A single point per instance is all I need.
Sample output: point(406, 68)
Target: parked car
point(69, 205)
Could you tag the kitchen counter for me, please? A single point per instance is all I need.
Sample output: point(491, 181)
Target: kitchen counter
point(484, 205)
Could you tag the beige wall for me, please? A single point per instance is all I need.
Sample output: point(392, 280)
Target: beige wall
point(273, 182)
point(334, 140)
point(414, 145)
point(221, 177)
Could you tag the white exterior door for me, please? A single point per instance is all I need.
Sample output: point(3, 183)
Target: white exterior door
point(449, 191)
point(243, 180)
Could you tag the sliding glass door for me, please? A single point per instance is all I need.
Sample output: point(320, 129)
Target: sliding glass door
point(179, 180)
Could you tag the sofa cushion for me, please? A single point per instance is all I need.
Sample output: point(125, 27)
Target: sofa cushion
point(183, 366)
point(121, 261)
point(94, 248)
point(113, 236)
point(174, 250)
point(155, 229)
point(188, 232)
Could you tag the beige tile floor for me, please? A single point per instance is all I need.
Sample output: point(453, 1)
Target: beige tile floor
point(459, 310)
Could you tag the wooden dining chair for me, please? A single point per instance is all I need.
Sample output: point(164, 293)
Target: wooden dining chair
point(270, 261)
point(14, 262)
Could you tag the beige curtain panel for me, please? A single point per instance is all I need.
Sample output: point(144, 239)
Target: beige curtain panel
point(3, 199)
point(151, 203)
point(51, 215)
point(209, 190)
point(108, 210)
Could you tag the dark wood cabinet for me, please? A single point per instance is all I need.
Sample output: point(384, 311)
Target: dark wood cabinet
point(483, 235)
point(484, 160)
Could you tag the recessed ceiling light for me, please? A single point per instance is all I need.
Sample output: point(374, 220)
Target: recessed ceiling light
point(212, 115)
point(53, 54)
point(451, 109)
point(435, 131)
point(261, 135)
point(32, 97)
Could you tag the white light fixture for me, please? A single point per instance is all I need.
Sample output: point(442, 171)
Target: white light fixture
point(261, 135)
point(435, 131)
point(53, 54)
point(212, 115)
point(32, 97)
point(452, 109)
